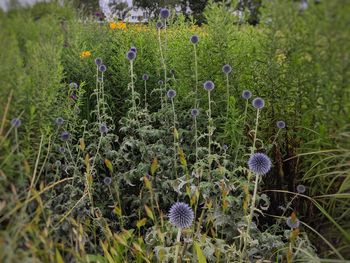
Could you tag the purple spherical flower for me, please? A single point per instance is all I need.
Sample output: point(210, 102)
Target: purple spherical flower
point(65, 136)
point(226, 69)
point(103, 128)
point(102, 68)
point(258, 103)
point(160, 82)
point(246, 94)
point(194, 39)
point(195, 112)
point(134, 49)
point(58, 163)
point(164, 13)
point(59, 121)
point(209, 85)
point(98, 61)
point(73, 85)
point(159, 25)
point(225, 147)
point(107, 180)
point(145, 77)
point(259, 163)
point(16, 123)
point(301, 189)
point(171, 93)
point(293, 222)
point(130, 55)
point(281, 124)
point(61, 149)
point(181, 215)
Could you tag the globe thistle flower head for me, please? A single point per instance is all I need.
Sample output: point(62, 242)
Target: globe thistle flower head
point(280, 124)
point(301, 189)
point(130, 55)
point(160, 82)
point(59, 121)
point(293, 222)
point(73, 85)
point(98, 61)
point(164, 13)
point(181, 215)
point(134, 49)
point(103, 128)
point(159, 25)
point(259, 163)
point(58, 163)
point(145, 77)
point(194, 39)
point(16, 122)
point(61, 149)
point(246, 94)
point(102, 68)
point(225, 147)
point(209, 85)
point(258, 103)
point(226, 69)
point(107, 180)
point(171, 93)
point(195, 112)
point(65, 136)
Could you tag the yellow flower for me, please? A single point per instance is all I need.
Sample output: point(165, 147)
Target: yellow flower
point(119, 25)
point(85, 54)
point(280, 57)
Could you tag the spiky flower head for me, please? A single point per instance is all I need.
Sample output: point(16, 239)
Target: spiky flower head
point(280, 124)
point(226, 69)
point(292, 221)
point(164, 13)
point(246, 94)
point(102, 68)
point(61, 149)
point(130, 55)
point(65, 136)
point(160, 82)
point(73, 85)
point(98, 61)
point(58, 163)
point(16, 122)
point(258, 103)
point(209, 85)
point(107, 180)
point(301, 188)
point(225, 147)
point(194, 39)
point(259, 163)
point(195, 112)
point(145, 77)
point(171, 93)
point(133, 49)
point(103, 128)
point(159, 25)
point(59, 121)
point(181, 215)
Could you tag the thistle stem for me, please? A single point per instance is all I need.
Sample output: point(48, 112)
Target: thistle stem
point(228, 94)
point(175, 132)
point(132, 86)
point(145, 94)
point(256, 130)
point(178, 238)
point(196, 75)
point(209, 134)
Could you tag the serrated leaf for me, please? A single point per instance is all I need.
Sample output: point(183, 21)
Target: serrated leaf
point(200, 254)
point(182, 157)
point(149, 212)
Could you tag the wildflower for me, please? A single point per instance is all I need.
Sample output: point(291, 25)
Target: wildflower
point(301, 188)
point(280, 124)
point(194, 39)
point(58, 163)
point(164, 13)
point(171, 93)
point(246, 94)
point(160, 82)
point(85, 54)
point(16, 122)
point(73, 85)
point(59, 121)
point(225, 147)
point(119, 25)
point(65, 136)
point(181, 215)
point(61, 149)
point(159, 25)
point(130, 55)
point(107, 180)
point(259, 163)
point(258, 103)
point(195, 112)
point(103, 128)
point(98, 61)
point(292, 221)
point(102, 68)
point(134, 49)
point(145, 77)
point(227, 69)
point(209, 85)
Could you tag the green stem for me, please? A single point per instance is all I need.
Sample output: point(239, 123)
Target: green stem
point(256, 130)
point(145, 94)
point(132, 86)
point(196, 75)
point(178, 238)
point(174, 131)
point(228, 94)
point(209, 134)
